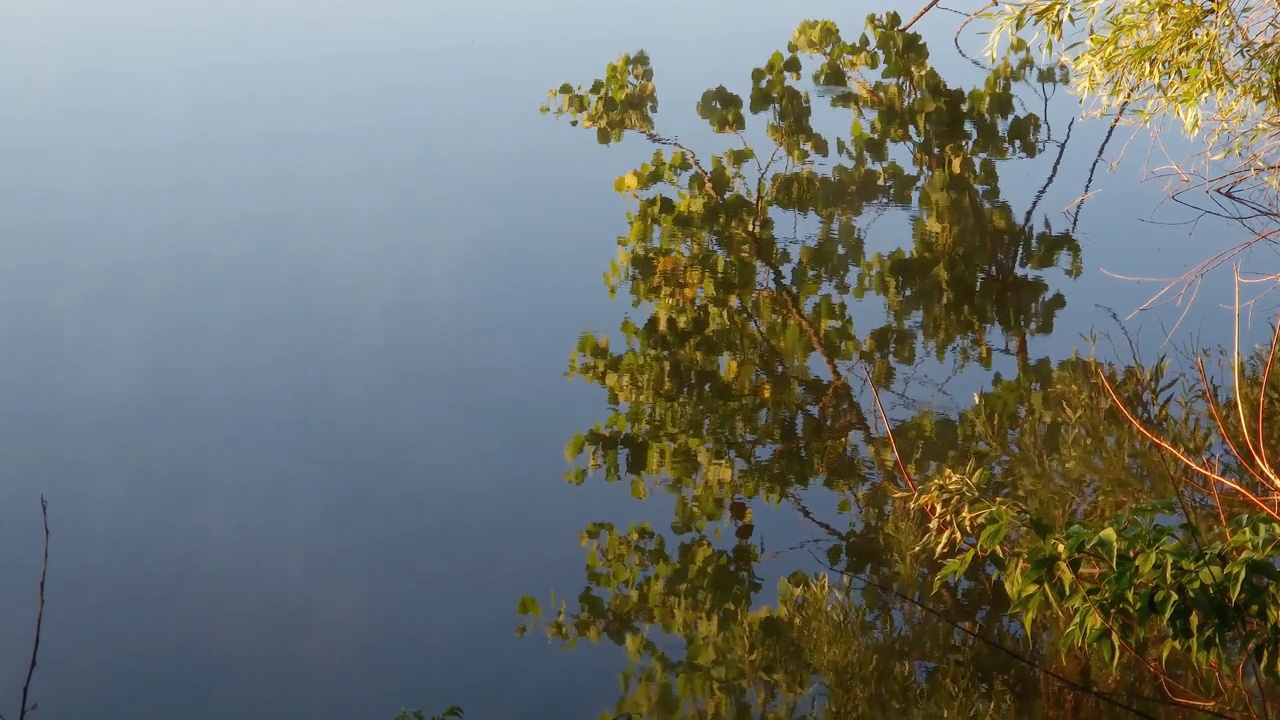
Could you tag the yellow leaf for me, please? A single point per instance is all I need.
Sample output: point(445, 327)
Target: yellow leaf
point(668, 263)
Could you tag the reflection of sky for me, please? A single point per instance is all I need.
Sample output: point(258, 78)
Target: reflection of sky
point(287, 294)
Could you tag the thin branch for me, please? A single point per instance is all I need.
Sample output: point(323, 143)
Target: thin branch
point(1088, 183)
point(1181, 456)
point(1262, 395)
point(1053, 173)
point(923, 10)
point(906, 476)
point(35, 648)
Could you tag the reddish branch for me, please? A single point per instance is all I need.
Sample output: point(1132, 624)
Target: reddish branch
point(923, 10)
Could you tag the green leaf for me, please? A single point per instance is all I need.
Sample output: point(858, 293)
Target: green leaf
point(833, 555)
point(1107, 535)
point(953, 569)
point(575, 447)
point(992, 536)
point(528, 606)
point(1146, 561)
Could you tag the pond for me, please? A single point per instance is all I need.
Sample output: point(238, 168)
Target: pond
point(291, 290)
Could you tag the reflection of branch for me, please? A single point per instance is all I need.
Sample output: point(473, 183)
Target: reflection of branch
point(856, 419)
point(778, 357)
point(955, 39)
point(1053, 173)
point(794, 497)
point(794, 306)
point(798, 546)
point(655, 138)
point(1088, 183)
point(35, 648)
point(796, 309)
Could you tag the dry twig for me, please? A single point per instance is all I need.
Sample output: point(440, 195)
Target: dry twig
point(35, 647)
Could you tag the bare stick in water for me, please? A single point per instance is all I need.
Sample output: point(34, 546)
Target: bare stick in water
point(35, 648)
point(923, 10)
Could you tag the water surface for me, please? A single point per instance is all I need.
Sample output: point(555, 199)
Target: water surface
point(287, 299)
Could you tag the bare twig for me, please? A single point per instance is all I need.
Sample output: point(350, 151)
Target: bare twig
point(35, 647)
point(1182, 457)
point(902, 468)
point(923, 10)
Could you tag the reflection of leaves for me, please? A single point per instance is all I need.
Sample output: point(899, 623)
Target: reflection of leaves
point(728, 383)
point(453, 711)
point(722, 110)
point(724, 356)
point(1056, 425)
point(624, 99)
point(1093, 533)
point(529, 606)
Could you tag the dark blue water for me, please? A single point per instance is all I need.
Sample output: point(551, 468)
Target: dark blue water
point(286, 295)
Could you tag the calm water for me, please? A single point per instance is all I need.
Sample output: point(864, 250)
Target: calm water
point(287, 298)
